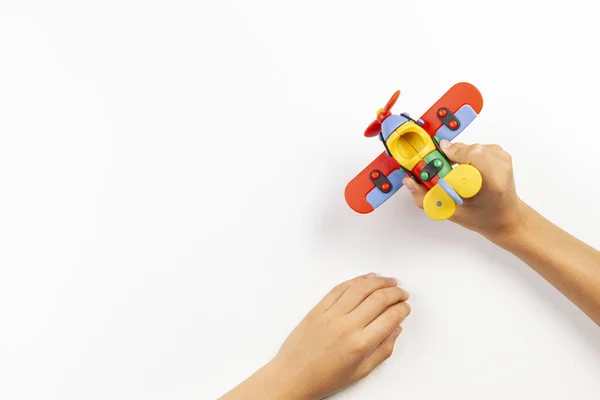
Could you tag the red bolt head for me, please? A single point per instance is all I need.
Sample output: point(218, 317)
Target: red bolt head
point(442, 113)
point(374, 175)
point(385, 186)
point(453, 124)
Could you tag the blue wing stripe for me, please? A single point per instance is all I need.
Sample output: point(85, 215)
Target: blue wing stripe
point(376, 197)
point(465, 116)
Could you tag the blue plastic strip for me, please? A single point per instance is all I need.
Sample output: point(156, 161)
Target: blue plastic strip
point(450, 190)
point(465, 116)
point(376, 197)
point(384, 144)
point(391, 123)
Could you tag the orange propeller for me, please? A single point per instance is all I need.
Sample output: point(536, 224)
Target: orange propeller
point(375, 127)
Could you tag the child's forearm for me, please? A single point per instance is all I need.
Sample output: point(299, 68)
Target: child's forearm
point(265, 384)
point(568, 264)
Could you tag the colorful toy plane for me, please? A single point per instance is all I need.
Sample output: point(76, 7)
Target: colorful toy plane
point(412, 149)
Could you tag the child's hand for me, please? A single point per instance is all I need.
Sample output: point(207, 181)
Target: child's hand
point(343, 338)
point(496, 210)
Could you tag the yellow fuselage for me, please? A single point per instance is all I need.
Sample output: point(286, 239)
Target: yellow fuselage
point(409, 144)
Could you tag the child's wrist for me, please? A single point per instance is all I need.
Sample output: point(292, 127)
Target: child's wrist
point(281, 384)
point(515, 231)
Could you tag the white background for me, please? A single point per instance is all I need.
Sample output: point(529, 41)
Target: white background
point(172, 178)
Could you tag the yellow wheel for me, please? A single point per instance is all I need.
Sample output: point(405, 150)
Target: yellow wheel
point(437, 204)
point(465, 179)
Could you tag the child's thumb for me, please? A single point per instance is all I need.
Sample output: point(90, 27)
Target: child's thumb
point(456, 152)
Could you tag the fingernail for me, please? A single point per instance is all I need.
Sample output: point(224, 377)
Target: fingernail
point(445, 144)
point(393, 281)
point(406, 293)
point(370, 275)
point(409, 185)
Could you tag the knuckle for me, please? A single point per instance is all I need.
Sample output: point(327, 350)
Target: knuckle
point(360, 345)
point(408, 309)
point(396, 313)
point(353, 290)
point(339, 287)
point(499, 151)
point(477, 150)
point(401, 293)
point(382, 297)
point(389, 349)
point(401, 311)
point(362, 287)
point(362, 373)
point(370, 285)
point(343, 286)
point(496, 188)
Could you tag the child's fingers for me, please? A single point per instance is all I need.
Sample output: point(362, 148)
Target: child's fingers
point(385, 323)
point(359, 291)
point(376, 303)
point(337, 292)
point(381, 353)
point(418, 191)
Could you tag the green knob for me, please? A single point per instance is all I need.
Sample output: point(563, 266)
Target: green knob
point(424, 176)
point(438, 163)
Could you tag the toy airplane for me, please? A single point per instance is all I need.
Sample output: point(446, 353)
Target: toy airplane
point(412, 149)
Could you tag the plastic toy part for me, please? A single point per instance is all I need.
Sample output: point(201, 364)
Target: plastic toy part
point(362, 185)
point(409, 144)
point(465, 115)
point(451, 192)
point(456, 97)
point(466, 180)
point(377, 196)
point(440, 202)
point(375, 127)
point(437, 157)
point(448, 118)
point(392, 124)
point(411, 148)
point(431, 169)
point(438, 205)
point(431, 180)
point(380, 181)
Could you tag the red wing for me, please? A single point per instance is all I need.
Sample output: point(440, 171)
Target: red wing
point(453, 100)
point(363, 195)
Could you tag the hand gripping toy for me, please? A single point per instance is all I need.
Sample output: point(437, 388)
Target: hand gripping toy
point(412, 149)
